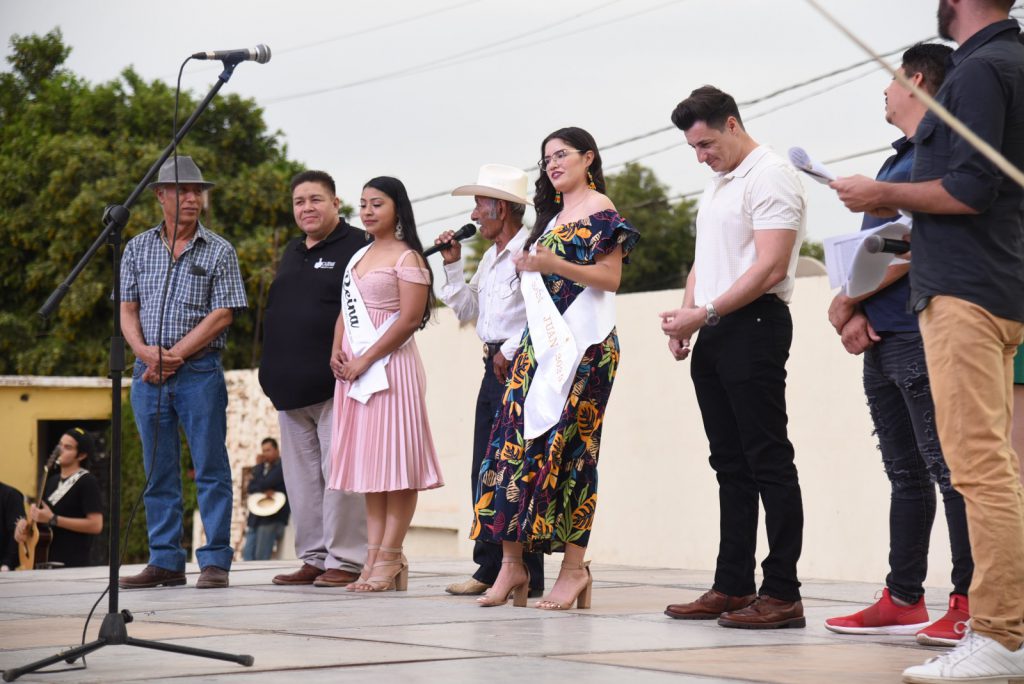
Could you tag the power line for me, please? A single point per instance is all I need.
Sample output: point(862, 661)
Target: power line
point(747, 103)
point(378, 27)
point(480, 51)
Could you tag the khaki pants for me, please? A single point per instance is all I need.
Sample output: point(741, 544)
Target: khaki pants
point(970, 362)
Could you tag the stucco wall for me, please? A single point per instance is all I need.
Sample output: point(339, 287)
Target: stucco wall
point(659, 502)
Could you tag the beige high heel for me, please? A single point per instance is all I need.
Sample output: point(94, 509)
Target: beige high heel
point(364, 576)
point(582, 599)
point(519, 593)
point(385, 581)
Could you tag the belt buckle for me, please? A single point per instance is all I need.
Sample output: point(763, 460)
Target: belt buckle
point(487, 350)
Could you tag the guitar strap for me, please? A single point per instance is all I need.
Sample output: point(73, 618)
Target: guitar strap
point(64, 487)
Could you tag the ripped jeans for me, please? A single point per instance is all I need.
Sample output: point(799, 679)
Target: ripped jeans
point(900, 400)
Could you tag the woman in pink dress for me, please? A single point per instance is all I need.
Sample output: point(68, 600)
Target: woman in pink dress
point(380, 442)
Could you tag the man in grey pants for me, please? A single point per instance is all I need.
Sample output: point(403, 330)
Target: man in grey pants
point(298, 330)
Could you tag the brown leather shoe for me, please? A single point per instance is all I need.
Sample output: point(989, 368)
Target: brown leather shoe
point(212, 577)
point(470, 587)
point(335, 577)
point(766, 613)
point(152, 576)
point(304, 575)
point(709, 606)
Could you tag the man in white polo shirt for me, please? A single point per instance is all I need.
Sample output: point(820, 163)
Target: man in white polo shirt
point(750, 223)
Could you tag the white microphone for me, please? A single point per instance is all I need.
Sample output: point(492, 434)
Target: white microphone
point(260, 53)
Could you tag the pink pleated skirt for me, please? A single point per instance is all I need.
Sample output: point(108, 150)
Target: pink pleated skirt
point(385, 445)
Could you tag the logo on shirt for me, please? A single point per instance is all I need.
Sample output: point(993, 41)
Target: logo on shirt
point(320, 263)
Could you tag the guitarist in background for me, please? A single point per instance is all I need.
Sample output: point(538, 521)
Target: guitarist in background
point(71, 504)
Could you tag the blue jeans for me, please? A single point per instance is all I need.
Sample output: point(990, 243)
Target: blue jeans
point(260, 540)
point(900, 399)
point(194, 399)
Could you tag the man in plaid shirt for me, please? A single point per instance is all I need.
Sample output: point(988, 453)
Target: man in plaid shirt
point(177, 340)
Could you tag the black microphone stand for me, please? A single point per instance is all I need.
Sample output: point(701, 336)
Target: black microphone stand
point(113, 631)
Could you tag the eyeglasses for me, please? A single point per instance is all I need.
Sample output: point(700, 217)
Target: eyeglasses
point(558, 156)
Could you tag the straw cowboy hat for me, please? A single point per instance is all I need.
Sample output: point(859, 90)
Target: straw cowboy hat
point(263, 505)
point(500, 182)
point(188, 174)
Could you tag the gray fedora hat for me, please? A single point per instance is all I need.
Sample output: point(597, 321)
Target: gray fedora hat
point(188, 174)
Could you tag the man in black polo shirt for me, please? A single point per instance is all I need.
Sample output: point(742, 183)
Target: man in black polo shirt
point(295, 372)
point(967, 286)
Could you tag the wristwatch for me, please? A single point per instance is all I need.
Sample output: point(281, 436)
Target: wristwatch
point(711, 318)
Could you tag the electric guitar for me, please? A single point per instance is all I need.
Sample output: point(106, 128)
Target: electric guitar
point(34, 552)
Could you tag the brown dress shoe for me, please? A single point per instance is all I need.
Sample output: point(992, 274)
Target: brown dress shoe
point(470, 587)
point(304, 575)
point(150, 577)
point(766, 613)
point(335, 578)
point(212, 577)
point(709, 606)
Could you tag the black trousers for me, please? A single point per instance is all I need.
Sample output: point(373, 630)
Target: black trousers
point(487, 555)
point(739, 374)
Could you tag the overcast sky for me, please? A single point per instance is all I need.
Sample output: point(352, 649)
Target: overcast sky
point(429, 91)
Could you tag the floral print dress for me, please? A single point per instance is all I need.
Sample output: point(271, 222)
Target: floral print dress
point(542, 492)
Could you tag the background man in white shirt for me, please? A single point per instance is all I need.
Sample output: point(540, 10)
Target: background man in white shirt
point(750, 223)
point(491, 297)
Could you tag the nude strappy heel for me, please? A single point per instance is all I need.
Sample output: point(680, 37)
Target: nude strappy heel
point(519, 593)
point(388, 581)
point(364, 576)
point(582, 599)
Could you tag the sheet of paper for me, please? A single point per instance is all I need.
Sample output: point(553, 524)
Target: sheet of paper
point(851, 267)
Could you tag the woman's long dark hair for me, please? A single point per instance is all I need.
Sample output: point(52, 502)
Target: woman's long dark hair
point(395, 189)
point(544, 197)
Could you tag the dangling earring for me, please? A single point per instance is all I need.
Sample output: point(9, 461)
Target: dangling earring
point(558, 197)
point(590, 180)
point(399, 233)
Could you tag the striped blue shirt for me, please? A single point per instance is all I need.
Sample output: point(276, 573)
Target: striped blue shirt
point(205, 277)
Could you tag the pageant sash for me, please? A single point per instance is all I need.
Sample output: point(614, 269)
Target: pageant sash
point(559, 342)
point(65, 487)
point(361, 334)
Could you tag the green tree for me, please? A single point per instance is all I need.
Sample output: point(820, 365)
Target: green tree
point(813, 249)
point(69, 148)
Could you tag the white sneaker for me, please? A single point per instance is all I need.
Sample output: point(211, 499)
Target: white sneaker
point(976, 659)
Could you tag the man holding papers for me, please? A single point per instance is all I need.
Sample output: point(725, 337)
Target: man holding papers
point(966, 285)
point(879, 325)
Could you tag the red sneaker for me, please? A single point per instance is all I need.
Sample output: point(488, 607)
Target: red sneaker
point(949, 629)
point(885, 617)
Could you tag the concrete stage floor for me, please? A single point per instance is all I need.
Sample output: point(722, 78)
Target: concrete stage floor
point(424, 635)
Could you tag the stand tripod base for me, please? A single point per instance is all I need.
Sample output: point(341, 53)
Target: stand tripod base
point(114, 632)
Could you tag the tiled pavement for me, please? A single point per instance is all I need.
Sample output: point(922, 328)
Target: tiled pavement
point(424, 635)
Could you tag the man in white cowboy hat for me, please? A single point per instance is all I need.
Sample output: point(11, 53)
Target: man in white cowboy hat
point(491, 297)
point(177, 346)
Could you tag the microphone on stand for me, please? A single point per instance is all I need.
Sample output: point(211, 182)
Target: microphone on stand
point(260, 53)
point(466, 231)
point(875, 244)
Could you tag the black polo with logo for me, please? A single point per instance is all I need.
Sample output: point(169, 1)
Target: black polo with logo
point(298, 324)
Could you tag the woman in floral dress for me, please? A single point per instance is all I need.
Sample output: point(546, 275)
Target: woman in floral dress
point(540, 493)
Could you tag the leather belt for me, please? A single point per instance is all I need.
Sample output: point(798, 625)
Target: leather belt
point(492, 348)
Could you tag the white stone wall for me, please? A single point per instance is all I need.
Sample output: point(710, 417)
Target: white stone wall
point(659, 502)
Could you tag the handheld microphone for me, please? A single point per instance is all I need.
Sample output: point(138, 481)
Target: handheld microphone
point(466, 231)
point(260, 53)
point(875, 244)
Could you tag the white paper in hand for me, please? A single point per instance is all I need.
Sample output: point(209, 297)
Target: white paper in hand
point(852, 267)
point(801, 160)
